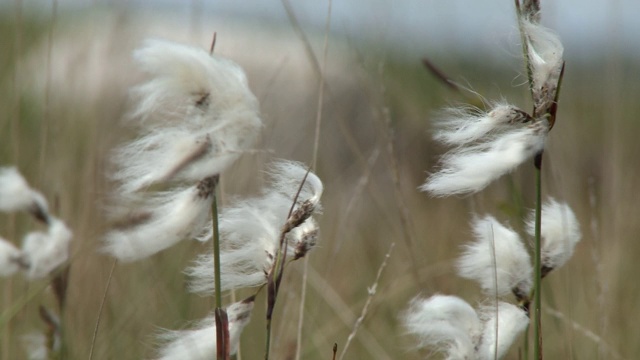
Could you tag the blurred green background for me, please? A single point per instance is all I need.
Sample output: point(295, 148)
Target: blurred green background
point(64, 76)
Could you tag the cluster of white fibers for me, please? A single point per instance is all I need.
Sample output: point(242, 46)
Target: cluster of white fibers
point(463, 125)
point(446, 323)
point(545, 54)
point(510, 320)
point(250, 231)
point(497, 259)
point(199, 343)
point(16, 195)
point(44, 252)
point(169, 217)
point(9, 258)
point(197, 116)
point(560, 232)
point(469, 169)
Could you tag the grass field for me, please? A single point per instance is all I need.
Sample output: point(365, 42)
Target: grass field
point(64, 91)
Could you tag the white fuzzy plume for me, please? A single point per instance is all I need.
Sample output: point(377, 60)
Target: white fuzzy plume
point(545, 54)
point(16, 195)
point(560, 232)
point(44, 252)
point(446, 323)
point(9, 258)
point(510, 320)
point(166, 219)
point(459, 126)
point(497, 259)
point(197, 116)
point(199, 343)
point(250, 230)
point(470, 169)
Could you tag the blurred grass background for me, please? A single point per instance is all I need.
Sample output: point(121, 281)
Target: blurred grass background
point(64, 77)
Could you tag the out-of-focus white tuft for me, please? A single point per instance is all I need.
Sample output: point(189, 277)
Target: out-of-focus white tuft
point(303, 238)
point(16, 195)
point(448, 324)
point(200, 343)
point(44, 252)
point(545, 54)
point(459, 126)
point(35, 345)
point(197, 116)
point(165, 220)
point(470, 169)
point(9, 258)
point(250, 231)
point(560, 232)
point(497, 259)
point(510, 320)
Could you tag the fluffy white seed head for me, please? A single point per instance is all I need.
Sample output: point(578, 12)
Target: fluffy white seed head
point(497, 259)
point(303, 238)
point(35, 345)
point(44, 252)
point(510, 320)
point(197, 116)
point(545, 54)
point(470, 169)
point(286, 177)
point(9, 258)
point(446, 324)
point(459, 126)
point(200, 342)
point(162, 223)
point(16, 195)
point(560, 232)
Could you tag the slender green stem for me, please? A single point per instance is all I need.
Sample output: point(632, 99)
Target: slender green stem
point(537, 331)
point(216, 250)
point(266, 352)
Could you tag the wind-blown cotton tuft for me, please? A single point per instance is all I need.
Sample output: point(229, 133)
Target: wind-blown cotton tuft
point(199, 343)
point(560, 232)
point(459, 126)
point(446, 323)
point(250, 231)
point(471, 168)
point(9, 258)
point(165, 220)
point(545, 54)
point(16, 195)
point(196, 113)
point(497, 259)
point(511, 322)
point(44, 252)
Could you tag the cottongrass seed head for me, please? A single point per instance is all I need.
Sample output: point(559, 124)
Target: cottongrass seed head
point(560, 233)
point(472, 166)
point(497, 259)
point(44, 252)
point(250, 230)
point(199, 343)
point(197, 115)
point(449, 325)
point(9, 258)
point(16, 195)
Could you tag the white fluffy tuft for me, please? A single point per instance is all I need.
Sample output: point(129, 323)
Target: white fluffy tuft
point(16, 195)
point(200, 342)
point(44, 252)
point(470, 169)
point(9, 257)
point(545, 54)
point(286, 177)
point(511, 321)
point(560, 232)
point(446, 323)
point(173, 216)
point(459, 126)
point(197, 115)
point(497, 259)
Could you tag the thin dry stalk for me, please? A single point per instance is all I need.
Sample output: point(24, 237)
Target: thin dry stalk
point(104, 300)
point(365, 308)
point(44, 130)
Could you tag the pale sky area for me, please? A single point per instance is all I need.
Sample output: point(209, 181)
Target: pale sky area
point(587, 27)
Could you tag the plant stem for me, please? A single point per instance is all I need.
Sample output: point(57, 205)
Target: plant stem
point(537, 331)
point(216, 250)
